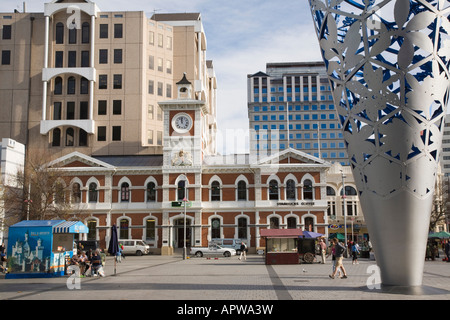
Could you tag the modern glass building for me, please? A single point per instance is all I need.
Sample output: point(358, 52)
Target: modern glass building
point(291, 106)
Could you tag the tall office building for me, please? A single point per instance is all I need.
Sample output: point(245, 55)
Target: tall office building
point(291, 106)
point(75, 78)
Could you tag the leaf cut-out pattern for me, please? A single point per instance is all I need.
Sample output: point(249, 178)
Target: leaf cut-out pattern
point(388, 64)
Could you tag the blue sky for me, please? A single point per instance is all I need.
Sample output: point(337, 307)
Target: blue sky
point(242, 37)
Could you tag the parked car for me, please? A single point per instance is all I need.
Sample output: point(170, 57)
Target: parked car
point(229, 243)
point(212, 249)
point(137, 247)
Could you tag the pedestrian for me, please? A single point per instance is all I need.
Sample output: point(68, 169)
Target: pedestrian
point(332, 251)
point(339, 252)
point(355, 252)
point(119, 253)
point(96, 264)
point(447, 250)
point(243, 251)
point(323, 250)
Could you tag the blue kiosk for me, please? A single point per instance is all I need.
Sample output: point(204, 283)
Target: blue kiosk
point(39, 248)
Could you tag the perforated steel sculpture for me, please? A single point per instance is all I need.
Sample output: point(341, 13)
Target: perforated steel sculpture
point(388, 63)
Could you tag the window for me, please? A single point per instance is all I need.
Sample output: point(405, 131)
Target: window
point(71, 84)
point(273, 190)
point(84, 107)
point(159, 113)
point(159, 138)
point(307, 190)
point(92, 225)
point(103, 56)
point(57, 107)
point(181, 194)
point(6, 57)
point(118, 56)
point(160, 40)
point(150, 229)
point(169, 66)
point(116, 133)
point(69, 137)
point(6, 32)
point(76, 193)
point(309, 224)
point(117, 81)
point(274, 223)
point(85, 33)
point(102, 107)
point(103, 31)
point(85, 61)
point(83, 138)
point(290, 190)
point(215, 228)
point(292, 223)
point(124, 228)
point(160, 89)
point(169, 43)
point(242, 190)
point(151, 62)
point(118, 30)
point(59, 37)
point(117, 107)
point(168, 91)
point(160, 64)
point(215, 191)
point(84, 86)
point(73, 34)
point(70, 110)
point(58, 86)
point(151, 87)
point(151, 192)
point(103, 81)
point(56, 141)
point(150, 112)
point(59, 59)
point(150, 137)
point(101, 133)
point(125, 192)
point(242, 228)
point(330, 191)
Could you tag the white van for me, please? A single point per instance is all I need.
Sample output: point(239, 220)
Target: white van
point(137, 247)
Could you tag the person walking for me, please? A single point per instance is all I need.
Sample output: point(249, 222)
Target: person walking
point(323, 250)
point(355, 252)
point(332, 251)
point(339, 253)
point(243, 251)
point(447, 250)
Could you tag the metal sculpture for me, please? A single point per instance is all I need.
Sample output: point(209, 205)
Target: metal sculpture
point(388, 64)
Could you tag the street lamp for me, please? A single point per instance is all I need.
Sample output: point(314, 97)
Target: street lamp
point(345, 206)
point(185, 204)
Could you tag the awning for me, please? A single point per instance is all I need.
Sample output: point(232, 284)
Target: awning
point(281, 233)
point(71, 227)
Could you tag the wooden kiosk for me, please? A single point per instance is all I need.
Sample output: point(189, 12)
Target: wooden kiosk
point(281, 245)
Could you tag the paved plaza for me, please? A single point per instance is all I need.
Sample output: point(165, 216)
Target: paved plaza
point(172, 278)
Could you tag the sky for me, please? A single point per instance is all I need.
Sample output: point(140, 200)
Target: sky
point(242, 36)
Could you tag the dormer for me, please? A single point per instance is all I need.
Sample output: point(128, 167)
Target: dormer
point(184, 89)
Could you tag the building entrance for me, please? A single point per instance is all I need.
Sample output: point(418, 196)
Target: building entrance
point(179, 233)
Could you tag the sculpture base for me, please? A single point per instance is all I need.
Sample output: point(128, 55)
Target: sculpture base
point(413, 290)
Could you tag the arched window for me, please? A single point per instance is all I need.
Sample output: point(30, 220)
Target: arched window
point(292, 223)
point(71, 83)
point(85, 32)
point(215, 191)
point(56, 142)
point(349, 191)
point(182, 190)
point(309, 224)
point(290, 190)
point(59, 36)
point(274, 223)
point(58, 85)
point(73, 33)
point(125, 192)
point(76, 193)
point(124, 229)
point(93, 193)
point(307, 190)
point(150, 229)
point(330, 191)
point(242, 190)
point(215, 228)
point(151, 192)
point(92, 225)
point(70, 134)
point(273, 190)
point(242, 228)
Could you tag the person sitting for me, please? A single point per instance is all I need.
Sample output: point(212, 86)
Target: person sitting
point(83, 261)
point(96, 264)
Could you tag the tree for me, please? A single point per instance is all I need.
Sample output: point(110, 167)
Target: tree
point(39, 192)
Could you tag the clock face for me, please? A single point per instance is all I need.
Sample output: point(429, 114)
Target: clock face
point(182, 123)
